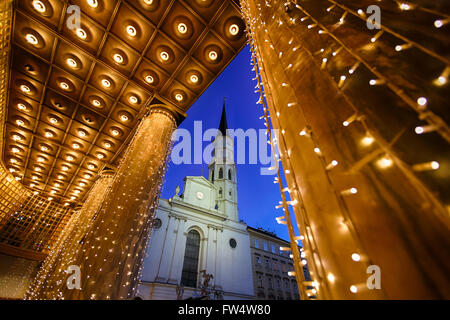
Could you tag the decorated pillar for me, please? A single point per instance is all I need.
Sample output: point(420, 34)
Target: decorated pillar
point(111, 254)
point(363, 141)
point(64, 253)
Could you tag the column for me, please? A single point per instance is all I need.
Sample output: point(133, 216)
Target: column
point(169, 247)
point(67, 248)
point(111, 256)
point(178, 256)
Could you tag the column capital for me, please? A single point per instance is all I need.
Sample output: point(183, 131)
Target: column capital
point(158, 104)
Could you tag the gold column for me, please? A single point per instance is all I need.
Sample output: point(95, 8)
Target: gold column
point(67, 248)
point(111, 254)
point(341, 97)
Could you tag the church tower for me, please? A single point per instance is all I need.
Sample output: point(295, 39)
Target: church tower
point(222, 170)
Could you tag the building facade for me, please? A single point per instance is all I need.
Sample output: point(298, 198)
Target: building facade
point(270, 266)
point(199, 231)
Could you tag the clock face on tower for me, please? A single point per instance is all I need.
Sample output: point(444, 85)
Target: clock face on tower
point(200, 195)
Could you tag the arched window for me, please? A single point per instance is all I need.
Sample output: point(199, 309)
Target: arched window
point(190, 264)
point(220, 192)
point(212, 176)
point(220, 173)
point(229, 174)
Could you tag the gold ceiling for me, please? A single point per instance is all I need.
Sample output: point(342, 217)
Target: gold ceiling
point(76, 94)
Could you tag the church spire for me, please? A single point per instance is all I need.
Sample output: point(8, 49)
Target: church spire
point(223, 126)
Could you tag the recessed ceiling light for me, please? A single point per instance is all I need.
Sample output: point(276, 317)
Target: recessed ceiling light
point(39, 6)
point(124, 117)
point(93, 3)
point(179, 97)
point(25, 88)
point(13, 160)
point(133, 99)
point(40, 159)
point(82, 133)
point(64, 85)
point(115, 132)
point(118, 58)
point(212, 55)
point(131, 31)
point(91, 166)
point(148, 2)
point(106, 83)
point(57, 185)
point(70, 158)
point(44, 148)
point(81, 33)
point(38, 169)
point(71, 62)
point(15, 150)
point(60, 177)
point(65, 168)
point(31, 39)
point(16, 137)
point(76, 146)
point(234, 29)
point(82, 184)
point(21, 106)
point(96, 103)
point(100, 156)
point(20, 122)
point(77, 191)
point(87, 176)
point(194, 78)
point(53, 120)
point(107, 145)
point(49, 134)
point(182, 28)
point(149, 79)
point(164, 55)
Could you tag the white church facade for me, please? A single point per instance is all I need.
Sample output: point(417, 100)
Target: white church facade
point(198, 233)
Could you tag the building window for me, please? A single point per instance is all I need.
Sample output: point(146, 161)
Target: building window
point(267, 263)
point(274, 249)
point(278, 284)
point(258, 259)
point(220, 192)
point(212, 176)
point(229, 174)
point(269, 283)
point(256, 243)
point(260, 281)
point(265, 246)
point(190, 264)
point(275, 265)
point(220, 173)
point(283, 266)
point(286, 285)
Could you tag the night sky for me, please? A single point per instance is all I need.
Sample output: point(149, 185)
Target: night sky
point(257, 194)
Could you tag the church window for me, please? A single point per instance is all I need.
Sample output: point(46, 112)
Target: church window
point(190, 264)
point(212, 176)
point(220, 192)
point(229, 174)
point(230, 193)
point(220, 173)
point(233, 243)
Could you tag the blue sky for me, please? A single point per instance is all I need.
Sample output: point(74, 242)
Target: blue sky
point(257, 194)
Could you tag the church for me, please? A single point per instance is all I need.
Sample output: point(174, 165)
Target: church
point(198, 234)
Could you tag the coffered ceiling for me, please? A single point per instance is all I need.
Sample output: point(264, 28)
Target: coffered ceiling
point(76, 93)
